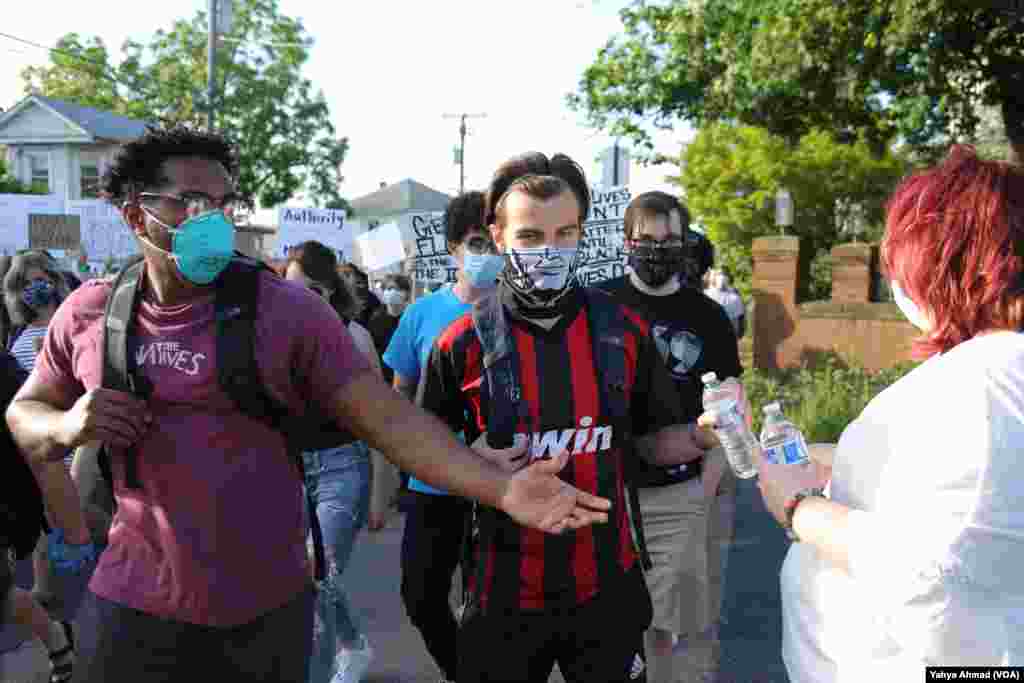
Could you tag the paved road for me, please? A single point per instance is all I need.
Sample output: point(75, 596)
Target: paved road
point(747, 653)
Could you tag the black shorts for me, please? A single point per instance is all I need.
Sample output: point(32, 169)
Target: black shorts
point(122, 644)
point(6, 583)
point(601, 641)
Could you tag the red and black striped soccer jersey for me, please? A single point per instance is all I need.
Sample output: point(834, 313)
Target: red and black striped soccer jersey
point(524, 569)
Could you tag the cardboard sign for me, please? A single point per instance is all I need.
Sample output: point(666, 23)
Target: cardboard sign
point(54, 231)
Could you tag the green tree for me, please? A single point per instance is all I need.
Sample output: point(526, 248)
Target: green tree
point(11, 185)
point(287, 142)
point(731, 174)
point(876, 69)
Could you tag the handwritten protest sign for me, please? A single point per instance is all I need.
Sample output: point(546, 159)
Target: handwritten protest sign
point(603, 243)
point(330, 227)
point(104, 234)
point(54, 231)
point(14, 213)
point(430, 259)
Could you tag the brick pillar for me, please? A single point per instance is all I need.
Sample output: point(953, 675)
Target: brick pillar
point(852, 268)
point(775, 282)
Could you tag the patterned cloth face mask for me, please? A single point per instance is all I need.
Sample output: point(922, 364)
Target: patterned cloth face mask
point(548, 269)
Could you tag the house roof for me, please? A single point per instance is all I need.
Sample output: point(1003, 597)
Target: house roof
point(401, 197)
point(96, 123)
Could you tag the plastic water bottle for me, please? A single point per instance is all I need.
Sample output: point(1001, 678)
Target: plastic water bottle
point(731, 426)
point(781, 441)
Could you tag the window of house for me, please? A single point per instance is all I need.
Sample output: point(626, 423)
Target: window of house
point(39, 179)
point(90, 180)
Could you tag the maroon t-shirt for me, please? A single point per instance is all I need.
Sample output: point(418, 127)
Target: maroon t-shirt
point(216, 535)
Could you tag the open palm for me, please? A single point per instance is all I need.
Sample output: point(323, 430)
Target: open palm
point(536, 497)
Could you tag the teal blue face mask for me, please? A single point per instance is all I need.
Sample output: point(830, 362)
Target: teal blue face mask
point(201, 246)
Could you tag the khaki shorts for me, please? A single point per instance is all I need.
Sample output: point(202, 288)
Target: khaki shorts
point(675, 528)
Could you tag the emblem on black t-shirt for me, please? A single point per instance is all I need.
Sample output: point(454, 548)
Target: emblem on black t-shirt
point(680, 349)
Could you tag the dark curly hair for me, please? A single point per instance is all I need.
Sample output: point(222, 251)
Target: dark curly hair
point(463, 213)
point(139, 165)
point(537, 164)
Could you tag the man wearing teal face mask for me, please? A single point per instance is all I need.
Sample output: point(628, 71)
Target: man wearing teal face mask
point(206, 563)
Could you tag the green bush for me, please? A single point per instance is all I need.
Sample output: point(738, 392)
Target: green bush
point(821, 397)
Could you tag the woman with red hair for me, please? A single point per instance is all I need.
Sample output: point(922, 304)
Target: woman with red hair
point(913, 555)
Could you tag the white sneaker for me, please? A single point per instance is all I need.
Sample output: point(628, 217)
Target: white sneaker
point(353, 664)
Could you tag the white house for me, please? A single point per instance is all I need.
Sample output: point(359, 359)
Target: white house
point(63, 148)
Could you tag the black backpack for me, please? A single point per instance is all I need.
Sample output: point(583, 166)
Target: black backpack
point(22, 514)
point(236, 309)
point(502, 395)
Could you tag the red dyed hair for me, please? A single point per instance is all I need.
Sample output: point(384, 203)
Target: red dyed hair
point(954, 241)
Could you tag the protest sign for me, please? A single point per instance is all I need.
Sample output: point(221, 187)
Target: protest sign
point(104, 234)
point(603, 244)
point(381, 247)
point(430, 259)
point(14, 213)
point(330, 227)
point(54, 231)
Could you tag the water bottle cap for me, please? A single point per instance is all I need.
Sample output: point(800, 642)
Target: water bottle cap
point(709, 377)
point(773, 408)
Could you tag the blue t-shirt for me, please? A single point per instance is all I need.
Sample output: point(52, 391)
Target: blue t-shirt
point(409, 350)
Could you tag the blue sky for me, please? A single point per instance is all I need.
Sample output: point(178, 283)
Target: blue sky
point(390, 71)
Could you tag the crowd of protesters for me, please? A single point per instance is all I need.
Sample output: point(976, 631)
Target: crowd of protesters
point(552, 437)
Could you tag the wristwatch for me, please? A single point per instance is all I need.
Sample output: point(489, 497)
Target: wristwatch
point(790, 508)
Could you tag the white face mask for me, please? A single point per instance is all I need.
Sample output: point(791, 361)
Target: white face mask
point(909, 309)
point(392, 297)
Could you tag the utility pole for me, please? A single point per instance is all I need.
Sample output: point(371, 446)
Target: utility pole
point(211, 61)
point(460, 152)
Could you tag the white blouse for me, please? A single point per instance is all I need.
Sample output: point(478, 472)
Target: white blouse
point(934, 471)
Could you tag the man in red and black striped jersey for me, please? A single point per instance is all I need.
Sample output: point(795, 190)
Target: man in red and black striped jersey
point(578, 599)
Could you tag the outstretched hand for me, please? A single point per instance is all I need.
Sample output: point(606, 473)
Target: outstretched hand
point(536, 497)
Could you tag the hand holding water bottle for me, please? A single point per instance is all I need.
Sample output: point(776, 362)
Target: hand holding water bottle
point(724, 413)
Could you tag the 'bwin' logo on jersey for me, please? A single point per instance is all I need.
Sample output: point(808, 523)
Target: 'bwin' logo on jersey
point(586, 439)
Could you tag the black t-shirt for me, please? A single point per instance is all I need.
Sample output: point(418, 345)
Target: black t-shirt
point(525, 569)
point(693, 336)
point(382, 327)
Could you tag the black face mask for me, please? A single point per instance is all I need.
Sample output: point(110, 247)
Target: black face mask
point(655, 265)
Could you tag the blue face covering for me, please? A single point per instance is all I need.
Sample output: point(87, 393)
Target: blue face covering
point(201, 246)
point(482, 270)
point(39, 294)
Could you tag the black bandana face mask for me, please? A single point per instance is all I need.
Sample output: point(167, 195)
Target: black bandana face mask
point(654, 264)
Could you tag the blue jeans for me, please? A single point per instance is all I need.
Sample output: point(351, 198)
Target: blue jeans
point(338, 480)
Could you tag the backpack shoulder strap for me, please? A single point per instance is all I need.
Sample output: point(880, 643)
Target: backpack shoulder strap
point(608, 329)
point(501, 371)
point(236, 306)
point(119, 369)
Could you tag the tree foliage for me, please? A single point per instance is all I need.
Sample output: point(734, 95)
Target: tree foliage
point(731, 174)
point(287, 142)
point(875, 69)
point(11, 185)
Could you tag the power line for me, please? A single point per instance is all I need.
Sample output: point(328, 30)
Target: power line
point(103, 68)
